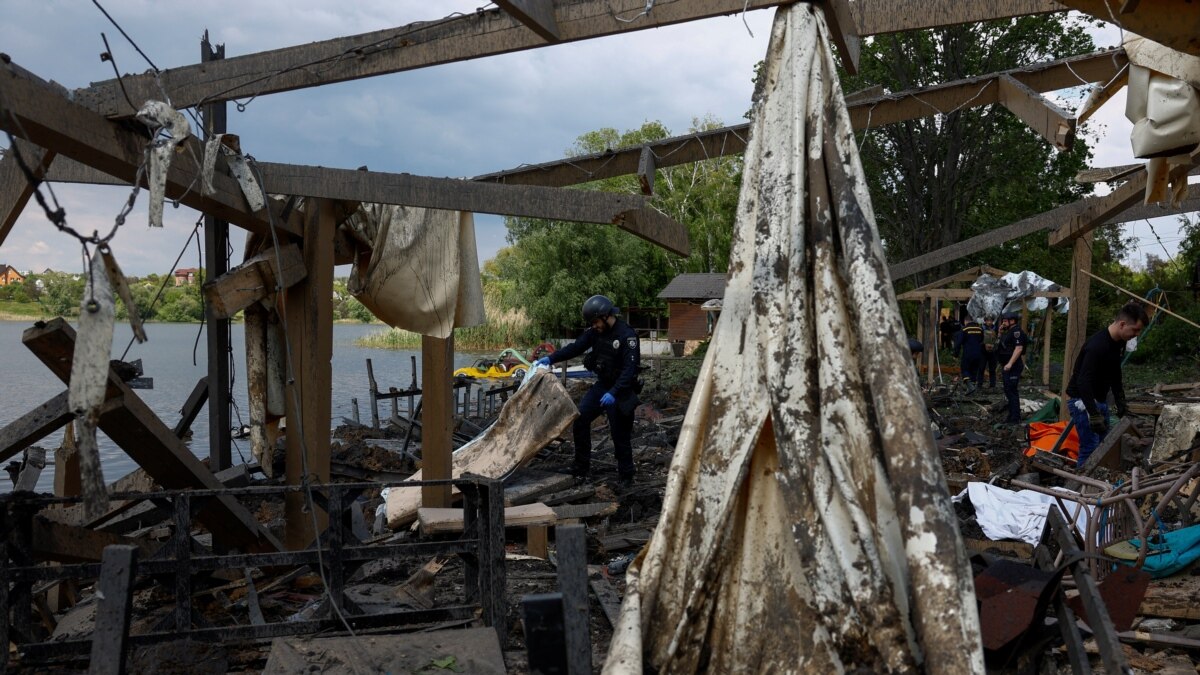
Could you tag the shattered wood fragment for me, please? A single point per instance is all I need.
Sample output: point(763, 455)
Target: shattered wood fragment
point(256, 279)
point(440, 521)
point(31, 470)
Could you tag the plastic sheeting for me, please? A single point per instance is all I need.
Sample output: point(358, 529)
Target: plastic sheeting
point(1005, 514)
point(997, 295)
point(805, 526)
point(423, 272)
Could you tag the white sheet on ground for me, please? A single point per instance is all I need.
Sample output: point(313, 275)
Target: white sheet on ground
point(1005, 514)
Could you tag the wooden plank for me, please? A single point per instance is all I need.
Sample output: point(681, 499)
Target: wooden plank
point(115, 593)
point(192, 407)
point(843, 28)
point(537, 541)
point(1174, 23)
point(538, 15)
point(309, 333)
point(1051, 122)
point(646, 171)
point(148, 441)
point(64, 543)
point(392, 50)
point(41, 116)
point(1175, 601)
point(15, 189)
point(628, 212)
point(528, 485)
point(610, 600)
point(437, 397)
point(1099, 210)
point(1107, 174)
point(254, 280)
point(876, 17)
point(1190, 204)
point(866, 111)
point(571, 544)
point(34, 426)
point(435, 520)
point(31, 469)
point(67, 479)
point(580, 511)
point(1081, 287)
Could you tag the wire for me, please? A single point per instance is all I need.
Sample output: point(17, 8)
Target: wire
point(1160, 241)
point(644, 12)
point(123, 33)
point(162, 287)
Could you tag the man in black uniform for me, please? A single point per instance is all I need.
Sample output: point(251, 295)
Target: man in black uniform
point(1008, 353)
point(615, 357)
point(1098, 371)
point(968, 343)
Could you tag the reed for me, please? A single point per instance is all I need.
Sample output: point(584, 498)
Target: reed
point(503, 328)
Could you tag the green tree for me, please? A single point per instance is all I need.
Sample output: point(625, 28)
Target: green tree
point(940, 179)
point(551, 267)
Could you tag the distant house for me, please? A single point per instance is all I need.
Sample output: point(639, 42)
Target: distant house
point(186, 276)
point(10, 275)
point(686, 296)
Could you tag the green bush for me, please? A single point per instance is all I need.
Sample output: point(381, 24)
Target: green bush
point(1171, 340)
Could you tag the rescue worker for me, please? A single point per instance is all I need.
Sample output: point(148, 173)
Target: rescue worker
point(989, 350)
point(1009, 350)
point(614, 357)
point(969, 344)
point(1097, 372)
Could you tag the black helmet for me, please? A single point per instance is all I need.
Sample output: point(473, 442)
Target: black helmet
point(1010, 316)
point(597, 307)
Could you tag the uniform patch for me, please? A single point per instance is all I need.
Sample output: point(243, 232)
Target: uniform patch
point(616, 344)
point(632, 342)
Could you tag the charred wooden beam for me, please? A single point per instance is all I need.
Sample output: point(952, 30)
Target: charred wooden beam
point(254, 280)
point(1050, 122)
point(417, 45)
point(628, 212)
point(538, 15)
point(41, 116)
point(115, 593)
point(144, 437)
point(843, 29)
point(64, 543)
point(866, 112)
point(875, 17)
point(34, 426)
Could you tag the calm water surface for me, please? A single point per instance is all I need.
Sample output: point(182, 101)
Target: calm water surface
point(174, 359)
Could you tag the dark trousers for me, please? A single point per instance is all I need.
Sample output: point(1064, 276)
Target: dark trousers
point(989, 365)
point(1089, 439)
point(620, 424)
point(972, 367)
point(1012, 377)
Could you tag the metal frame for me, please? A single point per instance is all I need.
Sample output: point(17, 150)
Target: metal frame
point(481, 547)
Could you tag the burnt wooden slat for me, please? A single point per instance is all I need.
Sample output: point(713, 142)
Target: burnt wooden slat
point(571, 544)
point(115, 590)
point(148, 441)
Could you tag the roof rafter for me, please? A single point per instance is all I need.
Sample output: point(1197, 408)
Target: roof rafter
point(868, 112)
point(876, 17)
point(538, 15)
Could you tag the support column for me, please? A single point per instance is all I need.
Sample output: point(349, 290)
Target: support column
point(308, 308)
point(1046, 346)
point(1081, 286)
point(931, 349)
point(216, 245)
point(437, 420)
point(66, 465)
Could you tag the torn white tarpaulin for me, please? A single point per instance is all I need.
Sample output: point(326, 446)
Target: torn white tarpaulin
point(160, 117)
point(423, 273)
point(805, 526)
point(89, 381)
point(997, 295)
point(1005, 514)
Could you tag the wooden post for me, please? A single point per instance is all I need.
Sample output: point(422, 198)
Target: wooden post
point(66, 466)
point(112, 616)
point(216, 242)
point(572, 579)
point(1046, 346)
point(437, 423)
point(931, 350)
point(309, 314)
point(1081, 286)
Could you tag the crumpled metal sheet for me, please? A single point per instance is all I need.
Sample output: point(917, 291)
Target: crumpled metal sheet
point(997, 295)
point(423, 272)
point(806, 527)
point(89, 382)
point(158, 115)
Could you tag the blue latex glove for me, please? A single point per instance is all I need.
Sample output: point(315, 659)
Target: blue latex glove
point(544, 361)
point(608, 400)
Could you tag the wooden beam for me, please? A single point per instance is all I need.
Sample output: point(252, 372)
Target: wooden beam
point(39, 115)
point(144, 437)
point(437, 422)
point(308, 309)
point(1174, 23)
point(1108, 174)
point(417, 45)
point(1100, 210)
point(1190, 204)
point(1081, 287)
point(256, 279)
point(628, 212)
point(114, 590)
point(1051, 122)
point(844, 30)
point(15, 189)
point(34, 426)
point(64, 543)
point(646, 171)
point(866, 111)
point(876, 17)
point(538, 15)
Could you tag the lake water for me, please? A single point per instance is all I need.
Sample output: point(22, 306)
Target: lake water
point(176, 361)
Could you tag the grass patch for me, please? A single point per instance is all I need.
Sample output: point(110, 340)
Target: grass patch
point(509, 328)
point(11, 310)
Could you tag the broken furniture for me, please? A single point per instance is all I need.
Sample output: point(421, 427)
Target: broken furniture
point(337, 554)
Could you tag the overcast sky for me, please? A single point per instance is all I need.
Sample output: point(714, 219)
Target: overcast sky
point(458, 120)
